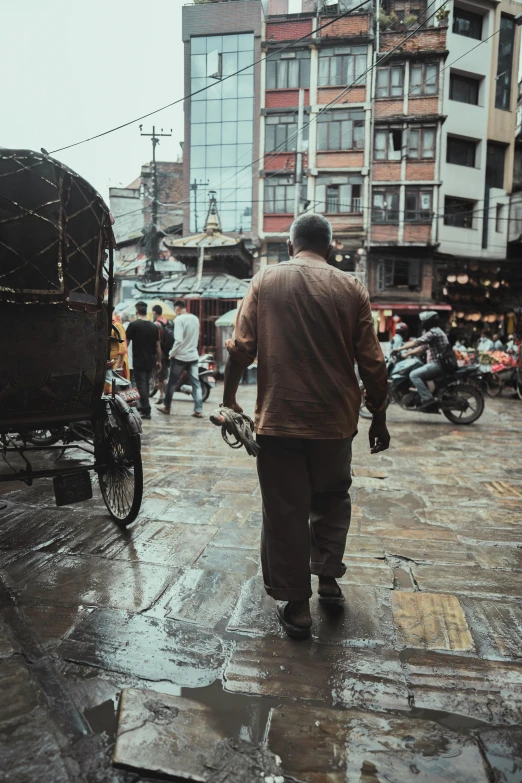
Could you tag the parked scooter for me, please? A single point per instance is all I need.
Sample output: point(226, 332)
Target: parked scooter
point(206, 368)
point(457, 394)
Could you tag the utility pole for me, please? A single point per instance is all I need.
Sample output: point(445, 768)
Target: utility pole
point(153, 228)
point(299, 155)
point(194, 188)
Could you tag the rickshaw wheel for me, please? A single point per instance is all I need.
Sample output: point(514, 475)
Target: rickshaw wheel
point(121, 483)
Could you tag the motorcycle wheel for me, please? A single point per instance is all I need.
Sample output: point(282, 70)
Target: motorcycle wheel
point(43, 437)
point(494, 386)
point(205, 390)
point(475, 400)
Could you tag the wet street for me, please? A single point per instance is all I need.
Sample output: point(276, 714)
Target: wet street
point(153, 651)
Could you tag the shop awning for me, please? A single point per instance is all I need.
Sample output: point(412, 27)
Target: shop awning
point(412, 308)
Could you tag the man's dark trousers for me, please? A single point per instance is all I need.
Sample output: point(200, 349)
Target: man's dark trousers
point(306, 511)
point(142, 378)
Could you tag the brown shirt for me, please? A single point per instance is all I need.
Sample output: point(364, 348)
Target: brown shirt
point(308, 323)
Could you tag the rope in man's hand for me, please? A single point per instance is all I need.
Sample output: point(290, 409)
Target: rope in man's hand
point(238, 426)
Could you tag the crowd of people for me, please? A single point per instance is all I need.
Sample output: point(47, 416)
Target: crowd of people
point(160, 346)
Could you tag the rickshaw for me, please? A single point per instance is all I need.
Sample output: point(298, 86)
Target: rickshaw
point(56, 303)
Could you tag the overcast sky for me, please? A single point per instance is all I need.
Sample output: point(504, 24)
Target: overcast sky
point(74, 68)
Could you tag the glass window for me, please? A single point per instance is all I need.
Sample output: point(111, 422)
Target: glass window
point(230, 109)
point(245, 86)
point(197, 156)
point(421, 143)
point(399, 274)
point(461, 152)
point(198, 134)
point(388, 144)
point(281, 132)
point(229, 87)
point(340, 130)
point(213, 111)
point(505, 63)
point(495, 159)
point(337, 198)
point(245, 110)
point(245, 132)
point(499, 218)
point(195, 86)
point(198, 45)
point(418, 205)
point(229, 43)
point(279, 195)
point(285, 72)
point(390, 81)
point(245, 60)
point(245, 42)
point(467, 23)
point(229, 63)
point(464, 89)
point(336, 68)
point(198, 66)
point(458, 212)
point(229, 132)
point(423, 79)
point(213, 134)
point(386, 206)
point(214, 42)
point(198, 111)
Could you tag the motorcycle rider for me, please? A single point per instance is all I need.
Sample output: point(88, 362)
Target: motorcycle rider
point(433, 342)
point(400, 336)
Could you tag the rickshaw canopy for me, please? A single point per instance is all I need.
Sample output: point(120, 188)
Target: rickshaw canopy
point(54, 228)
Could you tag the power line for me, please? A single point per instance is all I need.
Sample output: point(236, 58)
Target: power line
point(202, 89)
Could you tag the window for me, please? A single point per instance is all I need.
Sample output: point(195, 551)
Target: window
point(467, 23)
point(279, 195)
point(418, 205)
point(342, 65)
point(340, 130)
point(281, 132)
point(505, 63)
point(458, 212)
point(464, 89)
point(386, 206)
point(398, 274)
point(421, 143)
point(461, 152)
point(288, 70)
point(423, 79)
point(496, 154)
point(390, 81)
point(498, 219)
point(388, 144)
point(334, 195)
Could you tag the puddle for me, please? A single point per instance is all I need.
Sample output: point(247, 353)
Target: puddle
point(239, 716)
point(102, 718)
point(402, 579)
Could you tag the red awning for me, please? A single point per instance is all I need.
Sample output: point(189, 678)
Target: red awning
point(412, 308)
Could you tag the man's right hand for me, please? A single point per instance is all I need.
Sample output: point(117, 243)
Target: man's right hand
point(233, 406)
point(378, 435)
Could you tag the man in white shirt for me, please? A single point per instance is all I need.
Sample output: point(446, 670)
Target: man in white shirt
point(184, 356)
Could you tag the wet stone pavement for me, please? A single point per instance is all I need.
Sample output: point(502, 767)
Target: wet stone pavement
point(153, 652)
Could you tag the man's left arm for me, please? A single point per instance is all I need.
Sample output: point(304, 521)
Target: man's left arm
point(242, 349)
point(178, 338)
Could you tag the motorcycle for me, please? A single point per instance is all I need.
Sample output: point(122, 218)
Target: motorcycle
point(457, 394)
point(206, 371)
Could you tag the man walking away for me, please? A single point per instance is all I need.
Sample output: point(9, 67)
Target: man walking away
point(166, 345)
point(146, 352)
point(308, 323)
point(184, 355)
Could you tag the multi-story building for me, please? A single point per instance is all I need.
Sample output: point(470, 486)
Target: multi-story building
point(406, 143)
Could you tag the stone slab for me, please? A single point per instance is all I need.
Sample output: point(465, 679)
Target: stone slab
point(168, 544)
point(241, 561)
point(471, 581)
point(496, 626)
point(147, 648)
point(431, 552)
point(367, 571)
point(237, 537)
point(503, 751)
point(6, 643)
point(498, 557)
point(52, 623)
point(365, 619)
point(483, 690)
point(431, 620)
point(340, 675)
point(363, 546)
point(71, 580)
point(30, 751)
point(332, 746)
point(20, 695)
point(202, 597)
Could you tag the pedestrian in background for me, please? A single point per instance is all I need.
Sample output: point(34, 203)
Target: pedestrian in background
point(146, 353)
point(308, 323)
point(161, 324)
point(184, 356)
point(485, 342)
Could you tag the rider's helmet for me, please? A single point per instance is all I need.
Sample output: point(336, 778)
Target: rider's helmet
point(402, 329)
point(429, 319)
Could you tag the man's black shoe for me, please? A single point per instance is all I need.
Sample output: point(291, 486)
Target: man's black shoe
point(430, 406)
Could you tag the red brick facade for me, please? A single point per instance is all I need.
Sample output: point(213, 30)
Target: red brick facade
point(280, 99)
point(427, 40)
point(420, 170)
point(277, 224)
point(353, 95)
point(419, 106)
point(387, 172)
point(347, 160)
point(349, 26)
point(282, 161)
point(384, 107)
point(415, 232)
point(288, 30)
point(385, 233)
